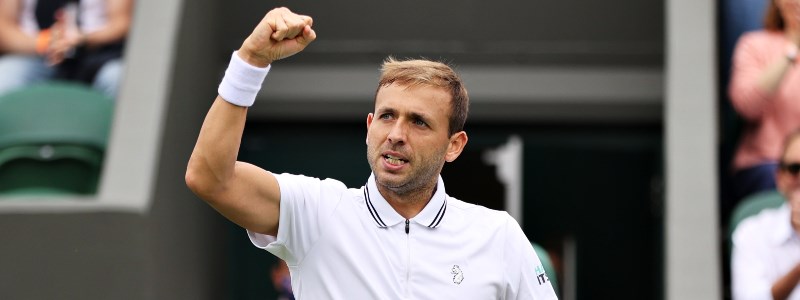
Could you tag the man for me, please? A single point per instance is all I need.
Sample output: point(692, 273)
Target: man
point(80, 41)
point(766, 253)
point(398, 237)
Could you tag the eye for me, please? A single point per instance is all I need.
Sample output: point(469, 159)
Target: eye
point(385, 116)
point(420, 122)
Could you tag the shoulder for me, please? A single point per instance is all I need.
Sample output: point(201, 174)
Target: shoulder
point(756, 227)
point(292, 182)
point(303, 179)
point(479, 215)
point(762, 37)
point(473, 209)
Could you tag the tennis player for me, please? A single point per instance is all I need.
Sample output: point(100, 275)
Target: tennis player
point(400, 236)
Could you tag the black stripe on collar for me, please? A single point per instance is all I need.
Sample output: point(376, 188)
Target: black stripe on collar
point(439, 215)
point(372, 210)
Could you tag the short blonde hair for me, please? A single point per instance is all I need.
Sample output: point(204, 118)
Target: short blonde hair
point(431, 73)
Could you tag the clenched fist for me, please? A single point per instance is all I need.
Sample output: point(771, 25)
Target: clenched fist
point(280, 34)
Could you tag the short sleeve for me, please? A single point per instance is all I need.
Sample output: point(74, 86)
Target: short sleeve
point(526, 275)
point(306, 204)
point(748, 268)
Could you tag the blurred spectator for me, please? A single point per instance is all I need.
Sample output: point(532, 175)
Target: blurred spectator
point(764, 89)
point(282, 280)
point(738, 16)
point(766, 247)
point(63, 39)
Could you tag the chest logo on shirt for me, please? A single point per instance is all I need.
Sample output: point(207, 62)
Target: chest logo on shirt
point(541, 277)
point(458, 276)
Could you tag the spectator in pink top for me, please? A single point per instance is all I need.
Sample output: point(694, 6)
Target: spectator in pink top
point(765, 91)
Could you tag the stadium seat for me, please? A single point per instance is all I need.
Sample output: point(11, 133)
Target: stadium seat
point(52, 139)
point(544, 257)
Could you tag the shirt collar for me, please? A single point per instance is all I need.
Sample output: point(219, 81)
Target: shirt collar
point(783, 232)
point(384, 215)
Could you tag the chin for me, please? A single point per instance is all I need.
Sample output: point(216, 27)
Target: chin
point(392, 182)
point(389, 180)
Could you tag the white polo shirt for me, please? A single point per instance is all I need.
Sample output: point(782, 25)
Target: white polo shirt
point(765, 248)
point(345, 243)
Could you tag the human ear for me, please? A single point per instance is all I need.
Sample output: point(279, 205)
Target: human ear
point(457, 143)
point(369, 122)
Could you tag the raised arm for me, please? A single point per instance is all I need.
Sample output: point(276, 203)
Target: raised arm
point(244, 193)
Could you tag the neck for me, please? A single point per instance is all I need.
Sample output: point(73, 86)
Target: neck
point(408, 204)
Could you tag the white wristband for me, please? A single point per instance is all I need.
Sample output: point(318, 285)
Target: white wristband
point(242, 81)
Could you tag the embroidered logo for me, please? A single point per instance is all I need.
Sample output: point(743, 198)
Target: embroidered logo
point(458, 276)
point(541, 277)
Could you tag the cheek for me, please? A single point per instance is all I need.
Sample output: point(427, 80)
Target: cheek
point(790, 188)
point(375, 138)
point(445, 147)
point(794, 205)
point(370, 135)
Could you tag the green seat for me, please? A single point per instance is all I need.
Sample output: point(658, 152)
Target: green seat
point(751, 206)
point(544, 257)
point(52, 139)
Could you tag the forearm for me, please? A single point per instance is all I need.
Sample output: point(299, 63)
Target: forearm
point(113, 32)
point(752, 89)
point(786, 284)
point(14, 40)
point(770, 80)
point(212, 162)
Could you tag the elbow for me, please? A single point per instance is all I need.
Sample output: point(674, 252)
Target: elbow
point(192, 180)
point(200, 181)
point(6, 40)
point(123, 27)
point(748, 104)
point(750, 114)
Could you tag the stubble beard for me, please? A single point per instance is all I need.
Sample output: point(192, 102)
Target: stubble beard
point(416, 181)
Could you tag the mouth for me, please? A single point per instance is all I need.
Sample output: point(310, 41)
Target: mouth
point(394, 160)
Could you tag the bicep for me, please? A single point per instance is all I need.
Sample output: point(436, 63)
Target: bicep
point(10, 9)
point(12, 37)
point(9, 13)
point(119, 8)
point(119, 13)
point(251, 199)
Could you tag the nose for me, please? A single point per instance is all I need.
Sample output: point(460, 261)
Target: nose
point(397, 134)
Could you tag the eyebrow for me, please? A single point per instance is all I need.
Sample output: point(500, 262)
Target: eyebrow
point(419, 116)
point(384, 110)
point(412, 115)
